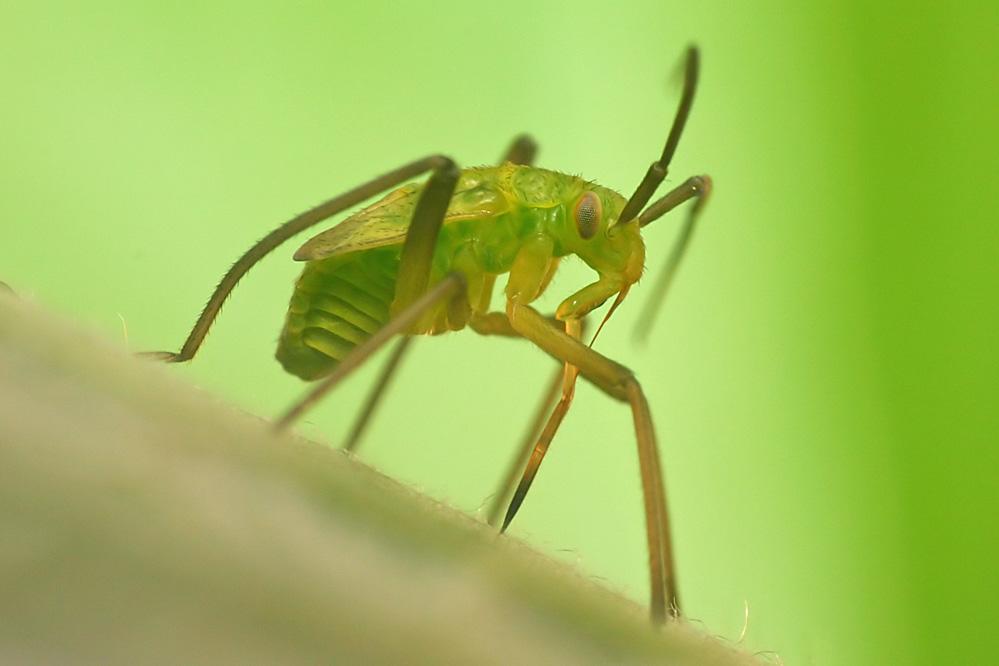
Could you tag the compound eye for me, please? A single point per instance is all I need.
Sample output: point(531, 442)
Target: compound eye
point(587, 215)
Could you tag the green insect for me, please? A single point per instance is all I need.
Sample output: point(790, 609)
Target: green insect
point(424, 260)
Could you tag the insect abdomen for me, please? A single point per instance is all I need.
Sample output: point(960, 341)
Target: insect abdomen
point(339, 302)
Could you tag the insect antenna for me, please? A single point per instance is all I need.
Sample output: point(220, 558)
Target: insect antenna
point(698, 188)
point(658, 169)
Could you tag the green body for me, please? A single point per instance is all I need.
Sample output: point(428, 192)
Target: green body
point(346, 291)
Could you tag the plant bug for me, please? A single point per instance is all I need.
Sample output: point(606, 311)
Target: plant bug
point(424, 260)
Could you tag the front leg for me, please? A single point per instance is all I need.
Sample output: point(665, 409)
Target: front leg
point(618, 382)
point(589, 298)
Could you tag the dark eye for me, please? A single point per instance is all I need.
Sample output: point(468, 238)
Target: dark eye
point(588, 215)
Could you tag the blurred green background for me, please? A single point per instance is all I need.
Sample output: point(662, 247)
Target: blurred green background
point(824, 374)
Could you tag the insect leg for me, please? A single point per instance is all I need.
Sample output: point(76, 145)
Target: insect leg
point(524, 148)
point(695, 187)
point(497, 323)
point(570, 373)
point(451, 287)
point(531, 435)
point(412, 298)
point(521, 151)
point(421, 238)
point(360, 424)
point(297, 224)
point(533, 432)
point(618, 382)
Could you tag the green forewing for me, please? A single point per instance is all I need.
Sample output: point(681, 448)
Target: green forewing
point(385, 222)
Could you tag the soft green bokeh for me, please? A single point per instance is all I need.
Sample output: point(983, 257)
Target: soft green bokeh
point(823, 378)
